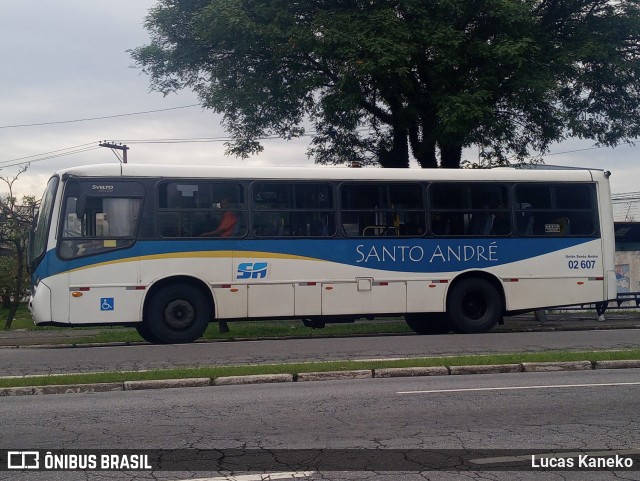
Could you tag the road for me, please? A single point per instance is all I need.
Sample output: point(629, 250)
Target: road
point(590, 410)
point(144, 356)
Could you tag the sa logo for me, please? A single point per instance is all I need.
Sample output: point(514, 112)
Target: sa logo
point(252, 270)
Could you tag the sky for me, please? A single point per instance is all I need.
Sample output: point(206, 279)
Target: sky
point(66, 60)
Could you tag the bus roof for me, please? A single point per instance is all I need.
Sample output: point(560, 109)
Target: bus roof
point(331, 173)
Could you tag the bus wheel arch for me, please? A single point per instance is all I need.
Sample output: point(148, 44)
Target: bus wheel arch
point(176, 310)
point(475, 302)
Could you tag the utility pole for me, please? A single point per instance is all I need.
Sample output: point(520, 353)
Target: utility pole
point(124, 149)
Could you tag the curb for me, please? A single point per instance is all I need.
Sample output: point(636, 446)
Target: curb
point(253, 379)
point(334, 375)
point(319, 376)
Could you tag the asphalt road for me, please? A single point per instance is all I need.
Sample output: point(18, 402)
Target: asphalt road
point(588, 410)
point(26, 360)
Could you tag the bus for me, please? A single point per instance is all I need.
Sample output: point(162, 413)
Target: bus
point(450, 250)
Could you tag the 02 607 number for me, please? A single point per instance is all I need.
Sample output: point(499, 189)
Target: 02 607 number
point(582, 264)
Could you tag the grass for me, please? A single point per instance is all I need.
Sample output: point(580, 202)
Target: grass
point(213, 372)
point(237, 330)
point(22, 320)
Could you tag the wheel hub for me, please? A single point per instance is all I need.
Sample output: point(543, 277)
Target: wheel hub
point(179, 314)
point(474, 305)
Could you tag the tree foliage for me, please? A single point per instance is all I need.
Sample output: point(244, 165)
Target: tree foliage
point(15, 222)
point(382, 79)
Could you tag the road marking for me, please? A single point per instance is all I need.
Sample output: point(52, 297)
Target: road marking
point(515, 388)
point(257, 477)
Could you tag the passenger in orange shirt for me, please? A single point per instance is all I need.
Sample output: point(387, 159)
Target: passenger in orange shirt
point(227, 225)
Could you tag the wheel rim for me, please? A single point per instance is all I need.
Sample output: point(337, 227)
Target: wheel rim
point(179, 314)
point(474, 305)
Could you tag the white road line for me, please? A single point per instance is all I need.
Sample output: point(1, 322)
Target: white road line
point(516, 388)
point(257, 477)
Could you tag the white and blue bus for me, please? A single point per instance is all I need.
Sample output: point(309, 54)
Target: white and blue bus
point(453, 250)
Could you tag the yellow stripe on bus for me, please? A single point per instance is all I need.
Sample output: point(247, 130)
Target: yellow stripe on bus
point(200, 254)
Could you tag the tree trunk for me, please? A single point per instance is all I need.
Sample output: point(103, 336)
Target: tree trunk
point(12, 313)
point(450, 155)
point(423, 150)
point(398, 156)
point(17, 293)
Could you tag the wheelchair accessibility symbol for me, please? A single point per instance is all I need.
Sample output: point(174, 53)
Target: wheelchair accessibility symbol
point(106, 303)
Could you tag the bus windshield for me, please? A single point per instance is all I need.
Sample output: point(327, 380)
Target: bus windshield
point(39, 243)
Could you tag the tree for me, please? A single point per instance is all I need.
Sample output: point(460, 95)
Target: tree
point(15, 221)
point(380, 79)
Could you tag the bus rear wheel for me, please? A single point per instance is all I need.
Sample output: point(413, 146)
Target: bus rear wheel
point(177, 313)
point(428, 322)
point(474, 305)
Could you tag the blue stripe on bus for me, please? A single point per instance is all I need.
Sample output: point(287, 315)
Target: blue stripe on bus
point(393, 254)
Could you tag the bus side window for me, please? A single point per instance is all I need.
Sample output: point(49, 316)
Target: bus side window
point(553, 209)
point(382, 210)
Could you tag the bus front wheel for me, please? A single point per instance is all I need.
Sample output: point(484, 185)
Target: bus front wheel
point(474, 305)
point(177, 313)
point(145, 333)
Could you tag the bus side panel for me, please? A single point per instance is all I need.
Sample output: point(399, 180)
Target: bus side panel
point(59, 302)
point(549, 292)
point(308, 299)
point(426, 296)
point(573, 275)
point(270, 300)
point(364, 296)
point(230, 300)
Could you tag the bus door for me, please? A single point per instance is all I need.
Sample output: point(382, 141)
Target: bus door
point(99, 224)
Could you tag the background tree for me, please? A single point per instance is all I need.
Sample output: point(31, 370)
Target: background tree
point(15, 221)
point(380, 79)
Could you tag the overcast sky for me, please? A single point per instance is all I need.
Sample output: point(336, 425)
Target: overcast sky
point(66, 60)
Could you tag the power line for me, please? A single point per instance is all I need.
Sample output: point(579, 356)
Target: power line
point(587, 148)
point(96, 118)
point(188, 140)
point(46, 153)
point(49, 157)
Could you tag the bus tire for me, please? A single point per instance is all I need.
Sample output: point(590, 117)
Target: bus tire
point(177, 313)
point(474, 305)
point(145, 333)
point(428, 322)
